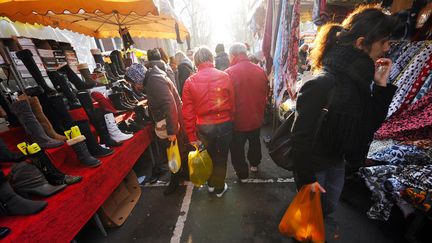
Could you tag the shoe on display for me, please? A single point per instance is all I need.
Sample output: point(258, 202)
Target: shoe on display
point(4, 231)
point(223, 191)
point(80, 147)
point(7, 156)
point(12, 204)
point(114, 131)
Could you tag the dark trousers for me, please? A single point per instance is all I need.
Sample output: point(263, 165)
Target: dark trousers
point(217, 138)
point(237, 149)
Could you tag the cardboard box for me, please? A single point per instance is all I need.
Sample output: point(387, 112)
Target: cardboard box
point(117, 208)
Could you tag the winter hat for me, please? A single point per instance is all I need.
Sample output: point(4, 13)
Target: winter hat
point(154, 55)
point(136, 73)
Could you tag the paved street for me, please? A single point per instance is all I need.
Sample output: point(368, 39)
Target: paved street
point(248, 212)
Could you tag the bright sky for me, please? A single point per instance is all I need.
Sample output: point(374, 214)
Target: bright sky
point(221, 16)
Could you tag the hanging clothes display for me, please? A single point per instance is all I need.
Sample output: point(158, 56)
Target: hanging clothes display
point(267, 39)
point(290, 66)
point(408, 76)
point(281, 53)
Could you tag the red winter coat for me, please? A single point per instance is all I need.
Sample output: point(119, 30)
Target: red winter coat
point(251, 88)
point(208, 98)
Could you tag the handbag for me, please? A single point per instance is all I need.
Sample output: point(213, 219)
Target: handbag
point(280, 148)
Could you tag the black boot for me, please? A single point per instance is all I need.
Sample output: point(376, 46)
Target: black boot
point(73, 78)
point(116, 62)
point(32, 126)
point(26, 57)
point(97, 118)
point(61, 81)
point(119, 60)
point(83, 68)
point(97, 55)
point(59, 105)
point(93, 146)
point(141, 116)
point(51, 114)
point(109, 73)
point(118, 102)
point(80, 148)
point(12, 204)
point(86, 101)
point(51, 173)
point(173, 184)
point(12, 119)
point(114, 70)
point(7, 156)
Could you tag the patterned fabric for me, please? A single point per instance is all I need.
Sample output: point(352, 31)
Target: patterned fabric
point(378, 145)
point(417, 176)
point(408, 77)
point(412, 124)
point(421, 79)
point(281, 53)
point(402, 154)
point(424, 90)
point(375, 177)
point(420, 199)
point(423, 143)
point(136, 73)
point(409, 52)
point(290, 66)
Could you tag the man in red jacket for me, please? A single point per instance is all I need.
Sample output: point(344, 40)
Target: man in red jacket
point(251, 89)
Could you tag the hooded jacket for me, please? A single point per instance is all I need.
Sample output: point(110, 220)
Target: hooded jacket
point(208, 98)
point(355, 112)
point(222, 61)
point(163, 99)
point(162, 66)
point(251, 89)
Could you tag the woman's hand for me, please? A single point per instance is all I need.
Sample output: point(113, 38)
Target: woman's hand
point(316, 186)
point(382, 71)
point(172, 138)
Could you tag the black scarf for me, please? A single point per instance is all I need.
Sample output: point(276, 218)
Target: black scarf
point(343, 128)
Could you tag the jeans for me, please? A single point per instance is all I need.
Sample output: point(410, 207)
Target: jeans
point(332, 180)
point(238, 151)
point(217, 138)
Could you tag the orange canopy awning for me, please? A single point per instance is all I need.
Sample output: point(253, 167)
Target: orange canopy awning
point(97, 18)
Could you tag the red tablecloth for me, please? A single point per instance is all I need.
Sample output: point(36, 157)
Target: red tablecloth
point(68, 211)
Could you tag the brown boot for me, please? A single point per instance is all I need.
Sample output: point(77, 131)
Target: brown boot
point(43, 120)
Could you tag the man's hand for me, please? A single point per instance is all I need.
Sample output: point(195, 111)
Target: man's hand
point(172, 138)
point(196, 143)
point(382, 71)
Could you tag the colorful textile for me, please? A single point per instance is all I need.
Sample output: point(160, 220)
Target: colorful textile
point(408, 77)
point(417, 176)
point(420, 199)
point(281, 52)
point(375, 177)
point(421, 79)
point(408, 53)
point(423, 143)
point(424, 89)
point(412, 124)
point(290, 67)
point(267, 38)
point(402, 154)
point(378, 145)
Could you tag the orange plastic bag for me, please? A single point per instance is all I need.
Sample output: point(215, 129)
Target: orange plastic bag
point(303, 219)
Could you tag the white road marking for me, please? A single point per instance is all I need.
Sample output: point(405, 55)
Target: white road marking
point(178, 231)
point(248, 181)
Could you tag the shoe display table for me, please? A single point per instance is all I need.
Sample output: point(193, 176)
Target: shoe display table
point(69, 210)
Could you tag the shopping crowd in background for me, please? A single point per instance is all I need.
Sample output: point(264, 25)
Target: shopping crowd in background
point(215, 101)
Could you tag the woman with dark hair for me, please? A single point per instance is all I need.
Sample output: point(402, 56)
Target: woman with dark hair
point(221, 59)
point(340, 109)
